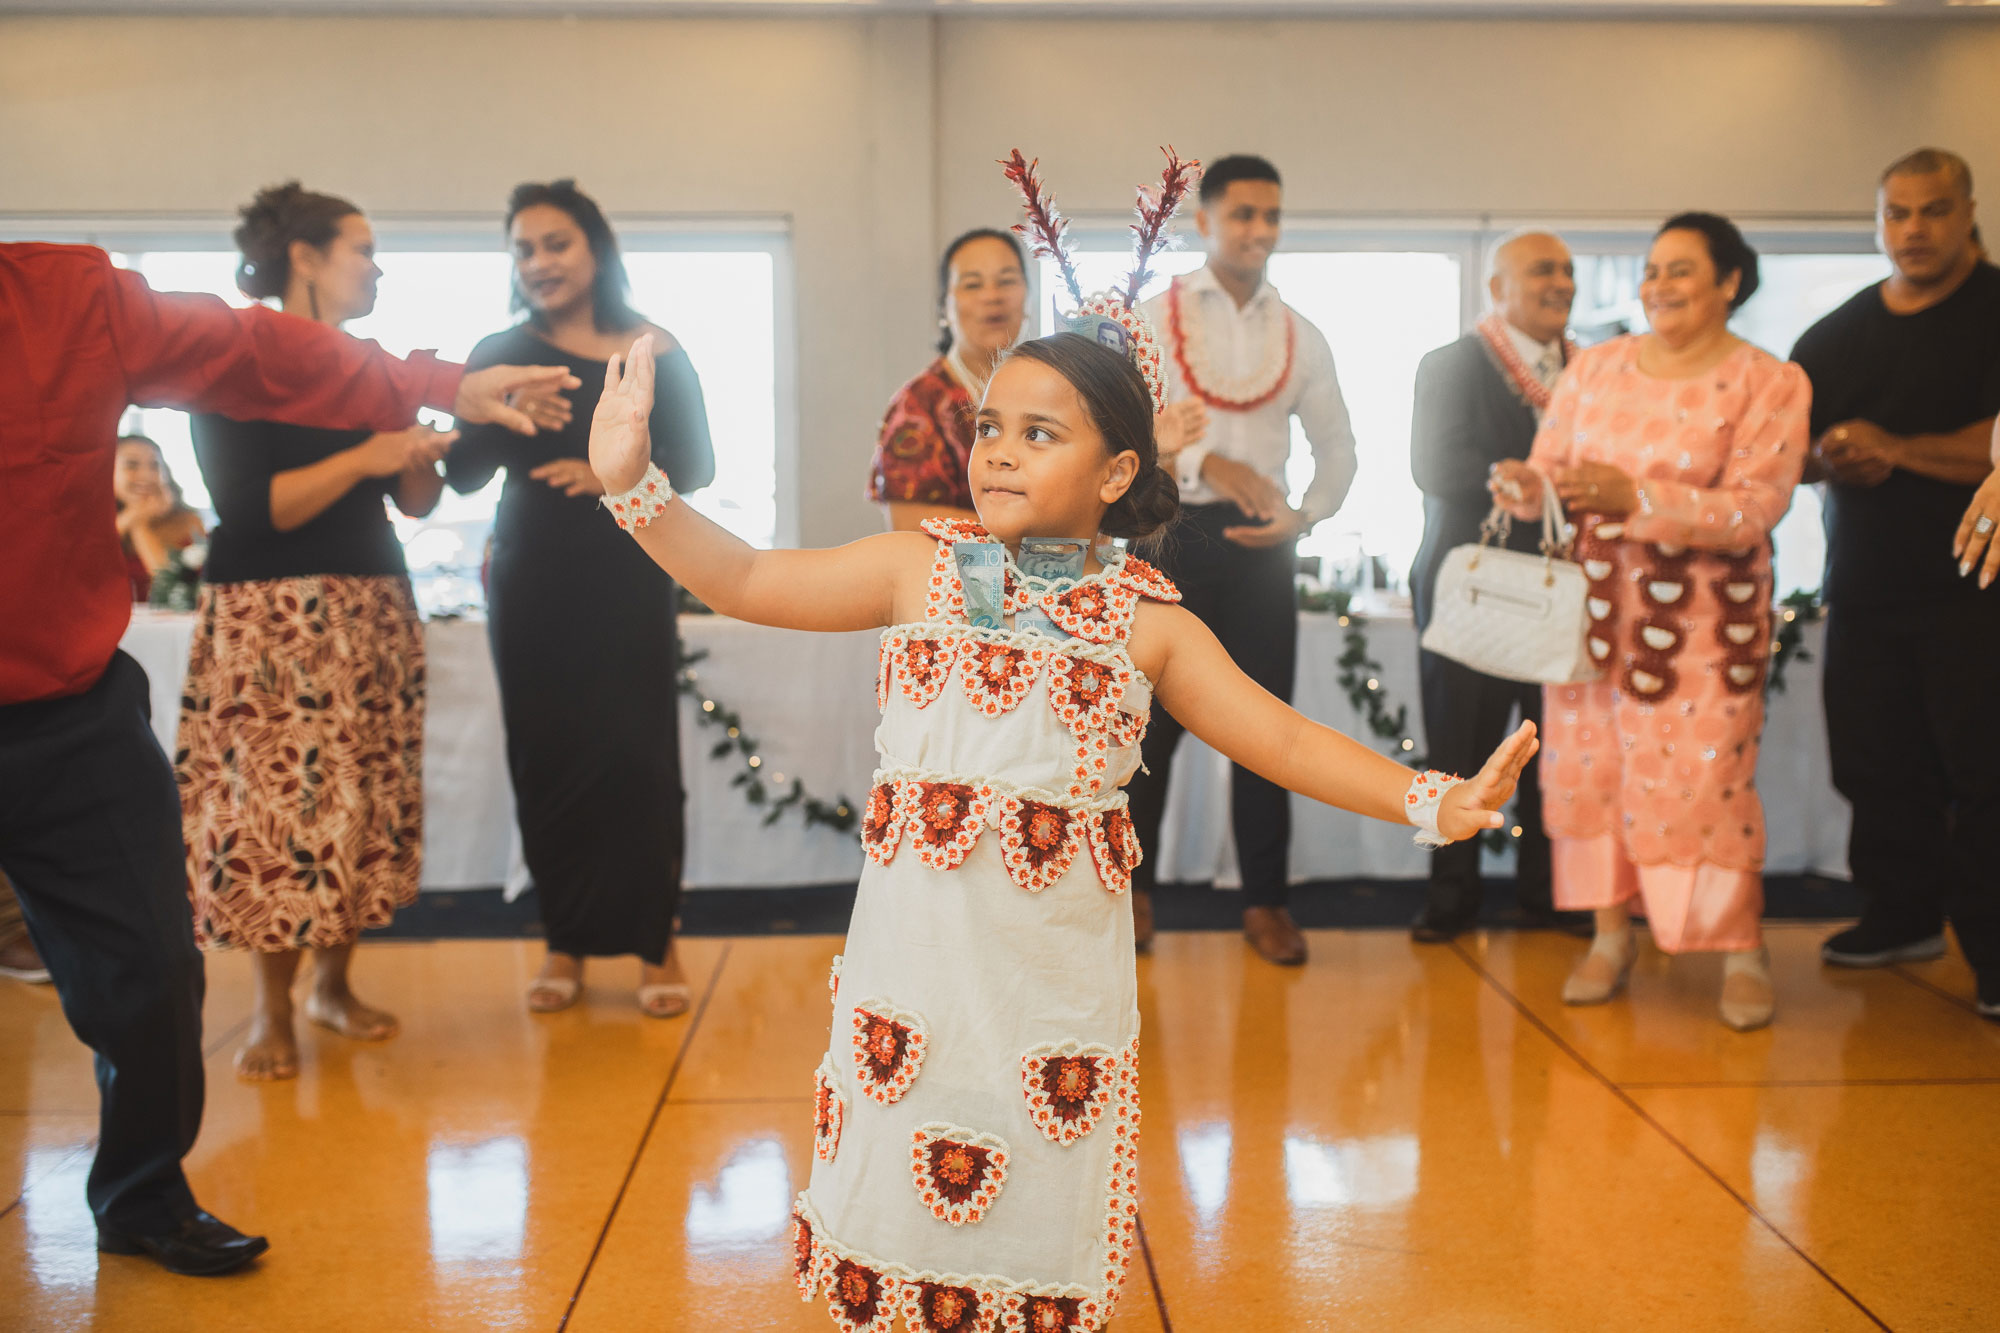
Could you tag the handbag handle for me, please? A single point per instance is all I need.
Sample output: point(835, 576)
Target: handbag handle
point(1558, 537)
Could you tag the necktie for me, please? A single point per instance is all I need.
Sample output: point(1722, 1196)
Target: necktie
point(1548, 369)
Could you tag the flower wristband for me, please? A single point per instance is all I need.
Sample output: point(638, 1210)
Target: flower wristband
point(635, 508)
point(1421, 804)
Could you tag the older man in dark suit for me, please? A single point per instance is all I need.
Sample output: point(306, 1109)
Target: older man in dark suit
point(1478, 401)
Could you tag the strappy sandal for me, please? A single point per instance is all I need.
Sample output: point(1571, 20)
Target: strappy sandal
point(562, 993)
point(666, 999)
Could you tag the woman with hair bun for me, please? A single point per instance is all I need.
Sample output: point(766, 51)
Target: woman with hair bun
point(300, 758)
point(582, 626)
point(1676, 452)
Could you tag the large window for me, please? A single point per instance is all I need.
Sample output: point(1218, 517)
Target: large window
point(1380, 310)
point(719, 300)
point(1383, 307)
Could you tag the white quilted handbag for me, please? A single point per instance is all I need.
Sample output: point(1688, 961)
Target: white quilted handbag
point(1510, 614)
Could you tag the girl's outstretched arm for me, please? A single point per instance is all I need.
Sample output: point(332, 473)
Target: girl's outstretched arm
point(1195, 680)
point(845, 588)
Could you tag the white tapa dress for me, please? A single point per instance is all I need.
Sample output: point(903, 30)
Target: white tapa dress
point(977, 1111)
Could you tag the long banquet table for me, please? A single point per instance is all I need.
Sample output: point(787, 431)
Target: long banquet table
point(810, 702)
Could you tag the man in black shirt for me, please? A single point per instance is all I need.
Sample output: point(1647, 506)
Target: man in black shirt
point(1906, 384)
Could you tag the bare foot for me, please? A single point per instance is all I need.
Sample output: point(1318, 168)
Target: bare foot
point(663, 990)
point(560, 982)
point(344, 1013)
point(270, 1052)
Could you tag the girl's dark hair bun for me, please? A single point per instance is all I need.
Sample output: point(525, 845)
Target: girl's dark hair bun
point(1153, 502)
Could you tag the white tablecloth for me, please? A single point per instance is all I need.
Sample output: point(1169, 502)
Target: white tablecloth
point(810, 702)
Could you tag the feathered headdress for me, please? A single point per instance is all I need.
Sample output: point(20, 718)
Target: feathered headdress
point(1109, 317)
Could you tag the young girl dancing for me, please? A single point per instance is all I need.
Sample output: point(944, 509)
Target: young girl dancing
point(976, 1113)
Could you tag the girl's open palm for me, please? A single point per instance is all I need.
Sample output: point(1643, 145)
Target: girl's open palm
point(620, 442)
point(1474, 805)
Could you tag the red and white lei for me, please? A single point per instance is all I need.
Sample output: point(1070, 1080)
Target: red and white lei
point(1225, 393)
point(1521, 377)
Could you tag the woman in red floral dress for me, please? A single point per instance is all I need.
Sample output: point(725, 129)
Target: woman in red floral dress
point(918, 470)
point(300, 757)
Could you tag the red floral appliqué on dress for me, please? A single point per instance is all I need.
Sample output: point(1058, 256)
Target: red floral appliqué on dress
point(947, 818)
point(828, 1110)
point(861, 1299)
point(958, 1172)
point(922, 665)
point(1049, 1314)
point(1085, 693)
point(997, 678)
point(1038, 841)
point(1114, 847)
point(1068, 1085)
point(940, 1307)
point(889, 1046)
point(882, 823)
point(805, 1256)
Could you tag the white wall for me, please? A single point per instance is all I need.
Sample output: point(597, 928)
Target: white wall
point(875, 137)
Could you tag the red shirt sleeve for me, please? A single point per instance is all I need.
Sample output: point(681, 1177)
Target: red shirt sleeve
point(925, 446)
point(200, 354)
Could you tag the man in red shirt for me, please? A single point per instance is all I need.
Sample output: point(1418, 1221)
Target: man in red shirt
point(90, 827)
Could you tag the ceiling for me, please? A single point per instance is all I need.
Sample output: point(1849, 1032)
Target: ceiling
point(1215, 8)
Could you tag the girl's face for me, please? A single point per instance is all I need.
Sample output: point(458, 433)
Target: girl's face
point(988, 297)
point(552, 260)
point(1039, 466)
point(1679, 291)
point(137, 473)
point(344, 274)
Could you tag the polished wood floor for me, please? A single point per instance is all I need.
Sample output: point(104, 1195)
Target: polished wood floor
point(1394, 1137)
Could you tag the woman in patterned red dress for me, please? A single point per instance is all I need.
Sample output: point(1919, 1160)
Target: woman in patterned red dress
point(300, 758)
point(918, 470)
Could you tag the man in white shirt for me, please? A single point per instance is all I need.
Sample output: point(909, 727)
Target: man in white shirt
point(1478, 401)
point(1228, 340)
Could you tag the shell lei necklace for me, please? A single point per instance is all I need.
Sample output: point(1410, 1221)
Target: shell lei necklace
point(1245, 394)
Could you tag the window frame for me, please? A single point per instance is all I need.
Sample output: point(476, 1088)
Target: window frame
point(638, 233)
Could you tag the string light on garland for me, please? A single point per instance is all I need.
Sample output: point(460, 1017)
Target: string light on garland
point(836, 814)
point(1800, 609)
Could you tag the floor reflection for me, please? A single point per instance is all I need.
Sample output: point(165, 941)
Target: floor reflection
point(1392, 1137)
point(750, 1203)
point(478, 1201)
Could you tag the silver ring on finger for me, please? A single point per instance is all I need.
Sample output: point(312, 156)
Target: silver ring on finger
point(1984, 525)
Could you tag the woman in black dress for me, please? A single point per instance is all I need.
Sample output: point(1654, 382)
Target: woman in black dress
point(582, 623)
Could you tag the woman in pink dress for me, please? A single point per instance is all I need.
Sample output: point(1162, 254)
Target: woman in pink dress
point(1675, 453)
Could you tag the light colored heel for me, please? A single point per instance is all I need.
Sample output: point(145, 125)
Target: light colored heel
point(665, 1000)
point(549, 995)
point(1604, 970)
point(1747, 1001)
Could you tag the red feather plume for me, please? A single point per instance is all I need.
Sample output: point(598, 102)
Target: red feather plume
point(1157, 205)
point(1046, 230)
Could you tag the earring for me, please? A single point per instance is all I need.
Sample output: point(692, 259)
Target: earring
point(312, 298)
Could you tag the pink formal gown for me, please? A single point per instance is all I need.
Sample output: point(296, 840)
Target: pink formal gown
point(1649, 775)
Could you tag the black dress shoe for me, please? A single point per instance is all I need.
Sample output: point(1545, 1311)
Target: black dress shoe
point(1581, 924)
point(1435, 927)
point(202, 1246)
